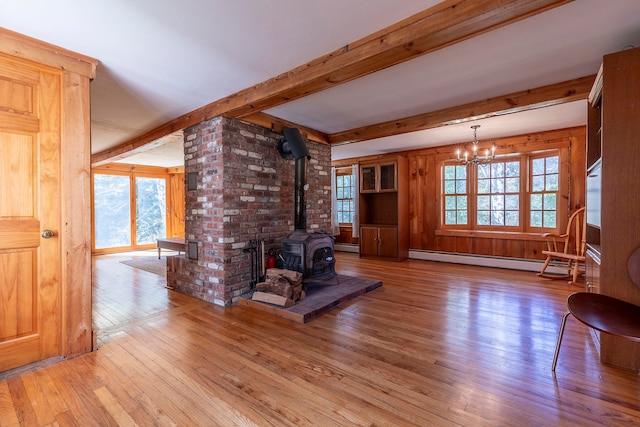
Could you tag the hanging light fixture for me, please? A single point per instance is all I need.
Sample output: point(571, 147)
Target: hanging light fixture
point(476, 158)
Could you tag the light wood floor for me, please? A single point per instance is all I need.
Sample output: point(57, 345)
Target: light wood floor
point(438, 344)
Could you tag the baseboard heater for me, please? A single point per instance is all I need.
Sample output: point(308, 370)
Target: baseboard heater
point(470, 259)
point(484, 261)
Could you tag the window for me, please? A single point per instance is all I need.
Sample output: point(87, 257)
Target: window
point(130, 211)
point(498, 199)
point(151, 208)
point(455, 199)
point(545, 178)
point(519, 193)
point(345, 193)
point(112, 214)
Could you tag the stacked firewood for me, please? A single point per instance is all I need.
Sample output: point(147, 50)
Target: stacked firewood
point(281, 287)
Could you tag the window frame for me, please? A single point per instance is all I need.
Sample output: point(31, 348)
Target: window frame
point(345, 172)
point(525, 160)
point(563, 179)
point(520, 193)
point(443, 196)
point(128, 171)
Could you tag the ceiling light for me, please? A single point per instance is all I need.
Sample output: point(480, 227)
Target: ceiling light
point(475, 158)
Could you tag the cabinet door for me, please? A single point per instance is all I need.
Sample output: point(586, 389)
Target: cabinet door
point(368, 179)
point(369, 241)
point(592, 276)
point(388, 242)
point(388, 177)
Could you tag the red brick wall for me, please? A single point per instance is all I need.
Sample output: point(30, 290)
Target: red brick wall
point(245, 191)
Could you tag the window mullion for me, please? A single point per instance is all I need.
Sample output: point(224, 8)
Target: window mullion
point(473, 196)
point(524, 192)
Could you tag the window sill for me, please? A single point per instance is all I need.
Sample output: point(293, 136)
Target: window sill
point(504, 235)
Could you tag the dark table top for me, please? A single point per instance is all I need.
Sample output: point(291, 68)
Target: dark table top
point(606, 314)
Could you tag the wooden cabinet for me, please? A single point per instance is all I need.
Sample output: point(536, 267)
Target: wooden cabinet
point(613, 193)
point(379, 242)
point(384, 209)
point(378, 178)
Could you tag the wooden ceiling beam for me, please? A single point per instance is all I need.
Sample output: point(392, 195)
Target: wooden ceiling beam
point(122, 152)
point(442, 25)
point(278, 125)
point(540, 97)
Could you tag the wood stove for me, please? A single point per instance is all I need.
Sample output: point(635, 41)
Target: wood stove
point(312, 255)
point(309, 253)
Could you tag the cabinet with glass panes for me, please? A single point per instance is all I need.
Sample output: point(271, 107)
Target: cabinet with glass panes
point(383, 204)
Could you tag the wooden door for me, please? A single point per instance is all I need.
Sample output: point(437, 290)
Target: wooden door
point(30, 132)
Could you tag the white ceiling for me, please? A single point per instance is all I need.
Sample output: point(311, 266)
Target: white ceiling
point(160, 59)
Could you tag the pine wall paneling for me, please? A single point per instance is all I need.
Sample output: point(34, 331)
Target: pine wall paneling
point(424, 195)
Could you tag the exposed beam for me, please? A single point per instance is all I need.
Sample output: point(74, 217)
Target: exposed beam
point(278, 125)
point(442, 25)
point(112, 155)
point(540, 97)
point(446, 23)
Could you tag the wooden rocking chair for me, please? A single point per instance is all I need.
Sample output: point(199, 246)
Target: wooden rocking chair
point(567, 248)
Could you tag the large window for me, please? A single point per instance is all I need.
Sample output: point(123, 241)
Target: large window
point(345, 190)
point(518, 193)
point(130, 211)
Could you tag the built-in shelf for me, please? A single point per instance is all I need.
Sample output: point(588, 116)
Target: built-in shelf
point(383, 209)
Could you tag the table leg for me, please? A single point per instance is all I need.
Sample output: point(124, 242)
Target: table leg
point(560, 334)
point(159, 249)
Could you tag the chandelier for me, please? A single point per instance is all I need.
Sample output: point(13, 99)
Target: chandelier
point(475, 158)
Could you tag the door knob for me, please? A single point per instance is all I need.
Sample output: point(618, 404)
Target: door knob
point(47, 234)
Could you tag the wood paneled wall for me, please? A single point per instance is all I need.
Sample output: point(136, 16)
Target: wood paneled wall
point(346, 236)
point(424, 195)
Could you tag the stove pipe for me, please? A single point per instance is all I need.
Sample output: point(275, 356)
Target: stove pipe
point(300, 206)
point(292, 145)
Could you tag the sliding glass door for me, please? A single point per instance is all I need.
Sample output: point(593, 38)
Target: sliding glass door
point(130, 211)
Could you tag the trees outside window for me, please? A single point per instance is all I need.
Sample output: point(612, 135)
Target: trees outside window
point(112, 212)
point(151, 208)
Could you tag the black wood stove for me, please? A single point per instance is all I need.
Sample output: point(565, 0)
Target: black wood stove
point(309, 253)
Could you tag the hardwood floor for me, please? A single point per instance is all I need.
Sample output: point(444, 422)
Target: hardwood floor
point(438, 344)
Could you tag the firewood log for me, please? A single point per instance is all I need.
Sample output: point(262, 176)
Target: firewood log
point(296, 292)
point(278, 286)
point(293, 276)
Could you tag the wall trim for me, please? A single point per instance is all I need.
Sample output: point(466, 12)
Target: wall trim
point(468, 259)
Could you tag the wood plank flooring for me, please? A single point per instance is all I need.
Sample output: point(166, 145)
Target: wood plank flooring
point(437, 345)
